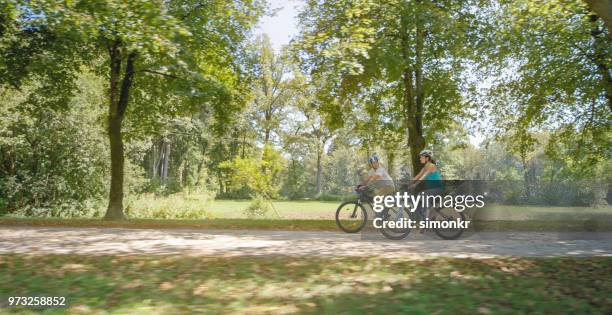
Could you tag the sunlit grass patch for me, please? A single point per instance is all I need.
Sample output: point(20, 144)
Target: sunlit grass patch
point(280, 285)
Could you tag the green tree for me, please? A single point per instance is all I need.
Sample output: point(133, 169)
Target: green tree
point(52, 160)
point(310, 126)
point(416, 48)
point(272, 87)
point(261, 175)
point(559, 57)
point(193, 44)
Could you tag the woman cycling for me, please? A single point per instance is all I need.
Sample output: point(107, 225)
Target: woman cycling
point(430, 174)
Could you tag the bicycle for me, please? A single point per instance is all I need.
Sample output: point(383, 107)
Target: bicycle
point(440, 214)
point(351, 216)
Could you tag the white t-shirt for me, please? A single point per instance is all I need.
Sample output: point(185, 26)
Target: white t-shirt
point(382, 174)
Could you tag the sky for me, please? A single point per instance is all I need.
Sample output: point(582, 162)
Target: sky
point(282, 27)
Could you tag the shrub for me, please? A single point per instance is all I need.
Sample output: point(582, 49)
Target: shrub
point(261, 175)
point(58, 157)
point(175, 206)
point(258, 208)
point(170, 187)
point(3, 206)
point(67, 210)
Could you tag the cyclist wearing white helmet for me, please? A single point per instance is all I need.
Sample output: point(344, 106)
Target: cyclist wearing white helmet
point(429, 173)
point(378, 178)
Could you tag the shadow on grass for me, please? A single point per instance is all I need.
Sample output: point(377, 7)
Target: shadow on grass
point(172, 284)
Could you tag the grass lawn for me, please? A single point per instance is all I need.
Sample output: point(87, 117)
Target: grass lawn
point(317, 210)
point(160, 212)
point(256, 285)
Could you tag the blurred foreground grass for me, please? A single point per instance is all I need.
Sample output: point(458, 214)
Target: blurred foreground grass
point(255, 285)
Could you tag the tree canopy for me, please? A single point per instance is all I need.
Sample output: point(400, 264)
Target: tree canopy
point(182, 96)
point(194, 46)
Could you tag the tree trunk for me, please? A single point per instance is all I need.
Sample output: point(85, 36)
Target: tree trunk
point(166, 161)
point(154, 160)
point(220, 180)
point(390, 161)
point(118, 101)
point(527, 178)
point(115, 202)
point(603, 9)
point(413, 109)
point(159, 158)
point(243, 143)
point(266, 136)
point(417, 141)
point(319, 170)
point(600, 48)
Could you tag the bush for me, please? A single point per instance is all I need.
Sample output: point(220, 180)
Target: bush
point(59, 157)
point(258, 208)
point(170, 187)
point(66, 210)
point(578, 193)
point(261, 175)
point(175, 206)
point(3, 208)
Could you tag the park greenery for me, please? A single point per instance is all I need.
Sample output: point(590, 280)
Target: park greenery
point(109, 107)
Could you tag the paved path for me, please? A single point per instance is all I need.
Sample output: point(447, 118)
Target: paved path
point(119, 241)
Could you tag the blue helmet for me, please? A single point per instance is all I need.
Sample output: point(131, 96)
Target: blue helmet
point(373, 158)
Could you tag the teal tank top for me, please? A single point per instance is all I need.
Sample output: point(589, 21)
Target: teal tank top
point(433, 180)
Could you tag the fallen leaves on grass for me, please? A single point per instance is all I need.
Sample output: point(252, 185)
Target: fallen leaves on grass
point(273, 284)
point(74, 268)
point(166, 286)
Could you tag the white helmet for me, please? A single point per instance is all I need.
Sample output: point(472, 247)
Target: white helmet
point(427, 153)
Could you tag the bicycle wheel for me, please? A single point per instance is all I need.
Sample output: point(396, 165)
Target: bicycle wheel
point(351, 217)
point(448, 215)
point(397, 215)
